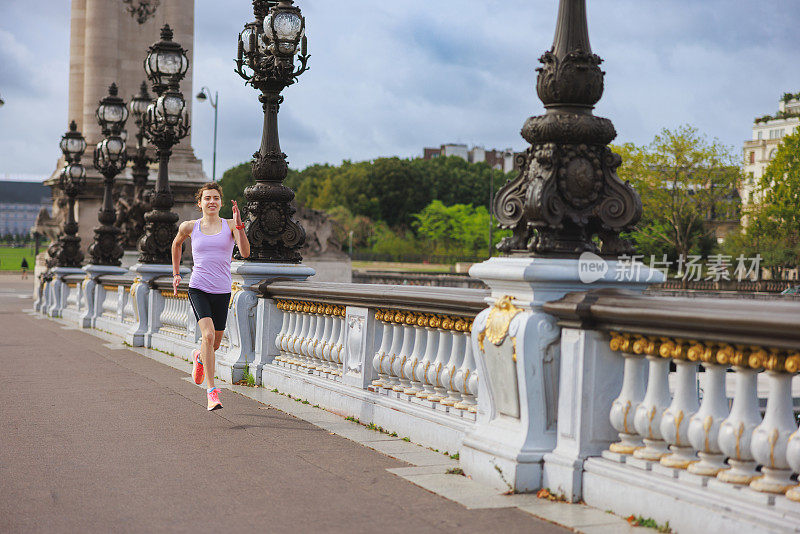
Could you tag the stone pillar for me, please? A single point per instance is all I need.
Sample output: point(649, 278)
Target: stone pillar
point(77, 32)
point(101, 61)
point(255, 352)
point(518, 443)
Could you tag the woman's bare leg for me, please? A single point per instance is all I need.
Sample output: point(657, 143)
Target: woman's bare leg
point(207, 347)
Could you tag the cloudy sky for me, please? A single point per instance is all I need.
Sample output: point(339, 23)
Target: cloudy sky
point(389, 78)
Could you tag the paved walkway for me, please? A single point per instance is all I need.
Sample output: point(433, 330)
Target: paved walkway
point(96, 438)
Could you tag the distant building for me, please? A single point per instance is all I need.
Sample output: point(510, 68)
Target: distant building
point(20, 203)
point(502, 160)
point(768, 131)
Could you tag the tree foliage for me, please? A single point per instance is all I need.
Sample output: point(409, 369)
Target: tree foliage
point(772, 226)
point(392, 205)
point(687, 184)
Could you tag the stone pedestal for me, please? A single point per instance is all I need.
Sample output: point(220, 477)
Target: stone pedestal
point(253, 344)
point(59, 290)
point(518, 351)
point(143, 301)
point(94, 294)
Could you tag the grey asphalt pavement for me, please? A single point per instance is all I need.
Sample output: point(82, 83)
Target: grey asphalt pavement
point(102, 440)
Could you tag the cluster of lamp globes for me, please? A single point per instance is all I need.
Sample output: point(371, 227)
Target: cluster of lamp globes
point(280, 34)
point(166, 65)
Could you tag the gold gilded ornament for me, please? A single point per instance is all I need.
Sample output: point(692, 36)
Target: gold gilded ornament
point(498, 321)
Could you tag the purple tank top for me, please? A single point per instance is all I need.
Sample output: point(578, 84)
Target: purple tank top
point(212, 260)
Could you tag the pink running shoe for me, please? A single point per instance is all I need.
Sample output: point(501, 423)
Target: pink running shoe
point(213, 400)
point(197, 368)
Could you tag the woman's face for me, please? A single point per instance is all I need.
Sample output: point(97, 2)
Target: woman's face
point(210, 202)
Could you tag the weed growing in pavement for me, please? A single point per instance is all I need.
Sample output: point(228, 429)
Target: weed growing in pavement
point(454, 456)
point(247, 379)
point(275, 390)
point(455, 471)
point(406, 439)
point(649, 522)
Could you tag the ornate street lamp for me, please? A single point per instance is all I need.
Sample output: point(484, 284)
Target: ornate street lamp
point(133, 209)
point(110, 158)
point(266, 60)
point(66, 251)
point(568, 190)
point(166, 122)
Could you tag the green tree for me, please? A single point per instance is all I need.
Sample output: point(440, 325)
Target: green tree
point(773, 220)
point(233, 182)
point(686, 184)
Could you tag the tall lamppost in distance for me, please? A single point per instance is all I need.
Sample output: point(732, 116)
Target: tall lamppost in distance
point(110, 158)
point(202, 96)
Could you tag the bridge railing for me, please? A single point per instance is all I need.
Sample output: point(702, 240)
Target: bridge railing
point(688, 416)
point(404, 352)
point(680, 409)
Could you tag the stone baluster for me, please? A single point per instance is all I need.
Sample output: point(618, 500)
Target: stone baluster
point(386, 341)
point(675, 420)
point(296, 308)
point(442, 357)
point(467, 378)
point(294, 329)
point(793, 447)
point(308, 339)
point(705, 424)
point(330, 340)
point(399, 364)
point(623, 409)
point(286, 324)
point(431, 350)
point(771, 438)
point(315, 344)
point(420, 343)
point(737, 429)
point(340, 313)
point(305, 323)
point(454, 364)
point(397, 318)
point(323, 355)
point(647, 420)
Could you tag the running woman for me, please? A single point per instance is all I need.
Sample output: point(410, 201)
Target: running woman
point(210, 284)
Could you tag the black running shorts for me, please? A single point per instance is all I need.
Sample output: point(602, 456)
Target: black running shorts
point(210, 305)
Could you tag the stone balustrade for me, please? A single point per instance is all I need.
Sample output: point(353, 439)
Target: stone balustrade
point(702, 406)
point(678, 409)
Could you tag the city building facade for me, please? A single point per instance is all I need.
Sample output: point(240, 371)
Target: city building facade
point(502, 160)
point(20, 203)
point(768, 132)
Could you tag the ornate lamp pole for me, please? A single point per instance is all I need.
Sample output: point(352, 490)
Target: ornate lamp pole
point(566, 194)
point(66, 251)
point(136, 207)
point(166, 122)
point(110, 158)
point(568, 190)
point(266, 60)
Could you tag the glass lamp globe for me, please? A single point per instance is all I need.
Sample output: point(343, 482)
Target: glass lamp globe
point(166, 62)
point(170, 108)
point(284, 27)
point(72, 143)
point(139, 103)
point(75, 172)
point(112, 112)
